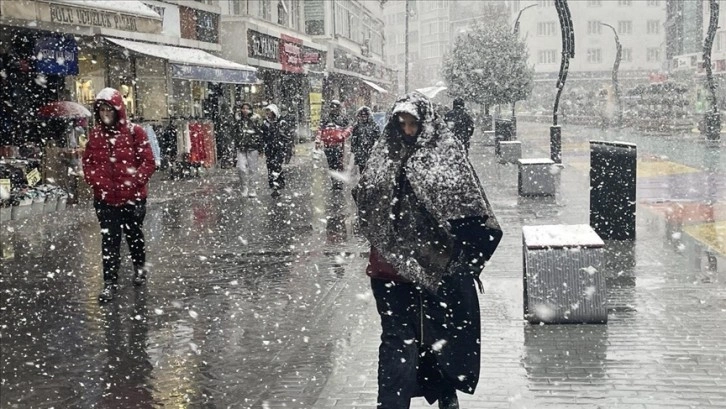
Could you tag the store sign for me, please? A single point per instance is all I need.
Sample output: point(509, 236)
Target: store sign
point(94, 18)
point(263, 46)
point(74, 18)
point(211, 74)
point(344, 60)
point(291, 54)
point(56, 55)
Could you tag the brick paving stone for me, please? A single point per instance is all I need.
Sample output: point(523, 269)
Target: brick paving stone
point(662, 347)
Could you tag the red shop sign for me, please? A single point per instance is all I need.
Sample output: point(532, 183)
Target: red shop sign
point(291, 54)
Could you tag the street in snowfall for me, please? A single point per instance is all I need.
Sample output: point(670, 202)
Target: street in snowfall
point(263, 303)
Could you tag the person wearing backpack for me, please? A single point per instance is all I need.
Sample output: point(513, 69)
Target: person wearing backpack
point(117, 164)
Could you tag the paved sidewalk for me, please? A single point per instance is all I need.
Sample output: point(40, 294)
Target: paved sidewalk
point(662, 348)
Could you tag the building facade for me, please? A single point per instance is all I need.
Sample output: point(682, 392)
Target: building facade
point(308, 52)
point(640, 26)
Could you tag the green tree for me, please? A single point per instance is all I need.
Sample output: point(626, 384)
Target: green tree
point(488, 63)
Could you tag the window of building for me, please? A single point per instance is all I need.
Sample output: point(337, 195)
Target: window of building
point(546, 3)
point(594, 27)
point(625, 27)
point(266, 10)
point(294, 8)
point(314, 17)
point(594, 55)
point(654, 3)
point(653, 55)
point(546, 28)
point(625, 2)
point(240, 8)
point(627, 55)
point(547, 56)
point(283, 17)
point(653, 27)
point(594, 3)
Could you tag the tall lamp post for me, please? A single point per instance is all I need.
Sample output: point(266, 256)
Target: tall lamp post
point(616, 83)
point(568, 51)
point(515, 31)
point(713, 117)
point(405, 68)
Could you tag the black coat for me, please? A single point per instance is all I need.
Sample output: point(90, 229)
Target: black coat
point(274, 139)
point(424, 210)
point(363, 137)
point(461, 124)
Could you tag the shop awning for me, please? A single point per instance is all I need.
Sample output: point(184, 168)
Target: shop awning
point(193, 64)
point(132, 7)
point(376, 87)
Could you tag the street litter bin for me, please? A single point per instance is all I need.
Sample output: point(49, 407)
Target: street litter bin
point(613, 167)
point(563, 278)
point(503, 131)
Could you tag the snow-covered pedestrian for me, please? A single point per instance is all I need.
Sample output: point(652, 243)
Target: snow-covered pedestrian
point(273, 135)
point(331, 136)
point(460, 123)
point(118, 163)
point(247, 136)
point(431, 228)
point(364, 135)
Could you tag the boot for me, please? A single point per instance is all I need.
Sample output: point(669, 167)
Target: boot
point(140, 275)
point(108, 292)
point(449, 401)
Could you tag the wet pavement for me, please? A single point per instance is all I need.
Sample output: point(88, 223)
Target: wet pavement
point(262, 303)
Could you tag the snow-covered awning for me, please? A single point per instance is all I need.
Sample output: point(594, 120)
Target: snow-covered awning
point(431, 92)
point(376, 87)
point(133, 7)
point(193, 64)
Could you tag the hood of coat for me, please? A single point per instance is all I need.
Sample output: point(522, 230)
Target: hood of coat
point(416, 104)
point(274, 109)
point(111, 97)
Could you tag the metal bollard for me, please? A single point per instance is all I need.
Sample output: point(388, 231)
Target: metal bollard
point(556, 144)
point(613, 167)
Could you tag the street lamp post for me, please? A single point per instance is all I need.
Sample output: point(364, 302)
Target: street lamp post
point(515, 31)
point(405, 69)
point(616, 83)
point(568, 51)
point(713, 117)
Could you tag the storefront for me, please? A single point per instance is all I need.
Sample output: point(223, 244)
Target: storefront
point(356, 80)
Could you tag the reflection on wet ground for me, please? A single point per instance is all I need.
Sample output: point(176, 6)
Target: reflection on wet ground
point(263, 303)
point(234, 314)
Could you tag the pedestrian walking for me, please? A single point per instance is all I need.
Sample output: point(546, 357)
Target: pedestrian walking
point(118, 163)
point(247, 137)
point(460, 123)
point(289, 122)
point(364, 135)
point(332, 133)
point(431, 228)
point(274, 140)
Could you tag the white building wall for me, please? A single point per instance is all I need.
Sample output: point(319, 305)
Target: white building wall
point(640, 25)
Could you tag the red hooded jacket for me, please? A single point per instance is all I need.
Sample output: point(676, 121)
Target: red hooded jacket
point(118, 160)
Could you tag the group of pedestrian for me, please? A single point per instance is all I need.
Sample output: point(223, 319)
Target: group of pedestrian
point(420, 205)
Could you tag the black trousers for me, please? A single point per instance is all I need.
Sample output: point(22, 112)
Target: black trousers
point(275, 176)
point(127, 220)
point(405, 368)
point(334, 155)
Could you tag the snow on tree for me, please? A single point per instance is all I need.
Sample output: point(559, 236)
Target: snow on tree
point(488, 63)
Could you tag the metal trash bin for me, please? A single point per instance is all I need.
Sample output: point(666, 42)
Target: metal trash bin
point(502, 132)
point(563, 282)
point(536, 177)
point(613, 167)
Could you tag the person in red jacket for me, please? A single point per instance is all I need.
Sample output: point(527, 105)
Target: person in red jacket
point(118, 163)
point(331, 136)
